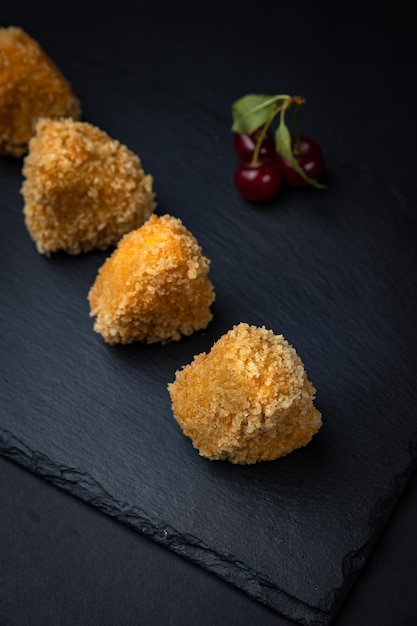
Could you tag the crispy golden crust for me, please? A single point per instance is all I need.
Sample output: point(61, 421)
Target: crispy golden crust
point(83, 190)
point(154, 287)
point(31, 86)
point(247, 400)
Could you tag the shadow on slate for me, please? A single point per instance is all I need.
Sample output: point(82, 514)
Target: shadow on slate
point(333, 271)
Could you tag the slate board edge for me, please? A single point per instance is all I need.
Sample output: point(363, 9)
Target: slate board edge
point(231, 570)
point(354, 562)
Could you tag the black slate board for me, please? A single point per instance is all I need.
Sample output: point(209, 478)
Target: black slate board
point(333, 271)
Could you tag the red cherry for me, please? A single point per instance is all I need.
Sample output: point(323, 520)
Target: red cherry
point(245, 145)
point(309, 157)
point(258, 182)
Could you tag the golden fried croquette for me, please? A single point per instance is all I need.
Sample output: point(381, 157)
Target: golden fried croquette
point(154, 287)
point(31, 86)
point(247, 400)
point(83, 190)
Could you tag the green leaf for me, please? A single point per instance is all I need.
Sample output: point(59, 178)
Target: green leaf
point(252, 111)
point(283, 146)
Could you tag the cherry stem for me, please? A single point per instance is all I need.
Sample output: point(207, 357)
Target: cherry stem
point(261, 137)
point(286, 102)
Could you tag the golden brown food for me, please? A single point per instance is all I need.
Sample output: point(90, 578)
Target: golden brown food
point(31, 86)
point(247, 400)
point(83, 190)
point(154, 287)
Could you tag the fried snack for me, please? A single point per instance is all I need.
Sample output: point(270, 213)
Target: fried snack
point(31, 86)
point(83, 190)
point(247, 400)
point(154, 287)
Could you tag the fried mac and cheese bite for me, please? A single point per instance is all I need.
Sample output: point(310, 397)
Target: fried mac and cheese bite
point(82, 189)
point(31, 86)
point(154, 287)
point(247, 400)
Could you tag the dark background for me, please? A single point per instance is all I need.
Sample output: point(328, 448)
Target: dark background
point(62, 561)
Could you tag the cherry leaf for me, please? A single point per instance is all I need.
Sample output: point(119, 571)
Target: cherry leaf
point(283, 146)
point(253, 111)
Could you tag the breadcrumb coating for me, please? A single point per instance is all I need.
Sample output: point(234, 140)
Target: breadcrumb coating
point(82, 190)
point(247, 400)
point(31, 86)
point(154, 287)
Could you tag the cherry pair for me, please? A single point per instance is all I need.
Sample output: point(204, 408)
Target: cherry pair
point(269, 160)
point(261, 181)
